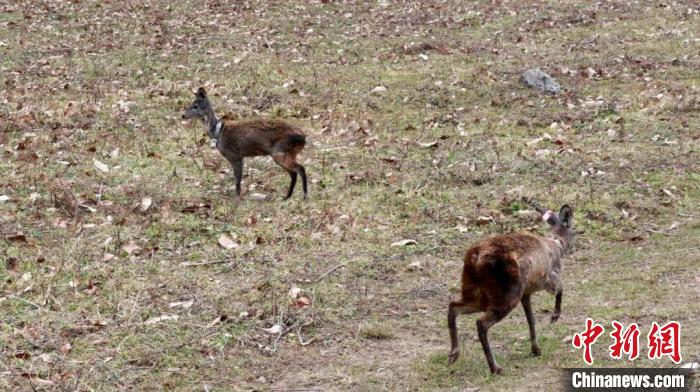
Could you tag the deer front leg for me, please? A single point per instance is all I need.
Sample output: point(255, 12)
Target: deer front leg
point(557, 303)
point(237, 165)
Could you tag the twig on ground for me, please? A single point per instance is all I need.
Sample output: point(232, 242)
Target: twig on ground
point(330, 271)
point(24, 300)
point(200, 263)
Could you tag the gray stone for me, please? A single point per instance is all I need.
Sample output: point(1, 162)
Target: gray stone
point(539, 80)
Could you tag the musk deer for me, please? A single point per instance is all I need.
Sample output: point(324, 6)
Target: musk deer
point(503, 270)
point(248, 138)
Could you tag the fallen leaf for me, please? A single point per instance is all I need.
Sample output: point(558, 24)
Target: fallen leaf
point(182, 304)
point(414, 266)
point(65, 349)
point(379, 90)
point(165, 317)
point(273, 330)
point(11, 264)
point(4, 198)
point(145, 203)
point(218, 320)
point(226, 242)
point(483, 220)
point(294, 292)
point(404, 243)
point(428, 144)
point(131, 247)
point(17, 237)
point(303, 302)
point(36, 380)
point(100, 166)
point(462, 229)
point(22, 355)
point(258, 196)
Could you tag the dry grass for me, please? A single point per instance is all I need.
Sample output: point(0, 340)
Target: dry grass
point(98, 294)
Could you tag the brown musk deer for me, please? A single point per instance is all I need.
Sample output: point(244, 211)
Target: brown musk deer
point(248, 138)
point(501, 271)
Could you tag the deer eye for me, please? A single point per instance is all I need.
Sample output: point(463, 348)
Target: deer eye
point(195, 107)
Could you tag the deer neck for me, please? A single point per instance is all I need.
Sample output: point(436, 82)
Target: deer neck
point(560, 239)
point(212, 125)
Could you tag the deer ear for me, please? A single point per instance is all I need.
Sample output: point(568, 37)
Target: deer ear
point(201, 93)
point(566, 215)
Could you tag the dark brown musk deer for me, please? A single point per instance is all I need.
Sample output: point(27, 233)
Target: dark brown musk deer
point(502, 270)
point(248, 138)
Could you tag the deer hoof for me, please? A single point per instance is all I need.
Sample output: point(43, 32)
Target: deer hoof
point(536, 351)
point(453, 357)
point(497, 370)
point(554, 318)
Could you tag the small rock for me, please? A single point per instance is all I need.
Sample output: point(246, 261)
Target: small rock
point(258, 196)
point(415, 266)
point(294, 292)
point(541, 81)
point(379, 90)
point(404, 243)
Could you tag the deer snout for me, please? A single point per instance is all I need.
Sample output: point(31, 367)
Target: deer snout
point(183, 116)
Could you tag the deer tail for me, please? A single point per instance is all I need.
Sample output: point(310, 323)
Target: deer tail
point(503, 268)
point(296, 140)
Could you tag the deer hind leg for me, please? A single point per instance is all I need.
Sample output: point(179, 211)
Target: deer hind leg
point(456, 308)
point(531, 324)
point(483, 324)
point(288, 161)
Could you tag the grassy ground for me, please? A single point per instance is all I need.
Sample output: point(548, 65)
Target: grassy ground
point(99, 293)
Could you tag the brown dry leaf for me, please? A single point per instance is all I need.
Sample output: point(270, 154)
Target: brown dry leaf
point(303, 302)
point(17, 237)
point(22, 355)
point(11, 264)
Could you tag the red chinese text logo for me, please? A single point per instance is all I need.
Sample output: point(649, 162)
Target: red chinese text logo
point(625, 342)
point(665, 341)
point(587, 338)
point(662, 341)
